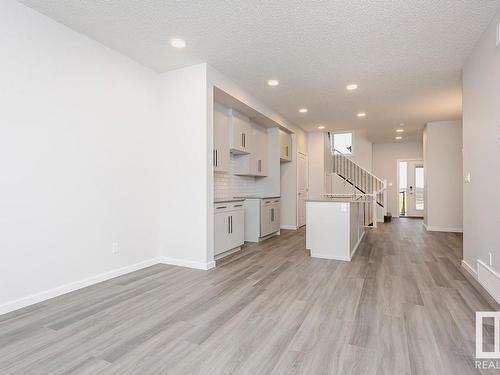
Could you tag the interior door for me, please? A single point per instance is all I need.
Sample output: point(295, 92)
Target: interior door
point(415, 188)
point(303, 184)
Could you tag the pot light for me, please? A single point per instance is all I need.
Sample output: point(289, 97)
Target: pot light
point(178, 43)
point(321, 127)
point(303, 110)
point(361, 114)
point(273, 82)
point(400, 130)
point(351, 86)
point(399, 138)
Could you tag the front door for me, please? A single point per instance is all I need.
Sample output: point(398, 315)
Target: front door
point(415, 189)
point(303, 184)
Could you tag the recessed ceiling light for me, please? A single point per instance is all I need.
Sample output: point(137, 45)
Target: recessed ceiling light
point(399, 137)
point(321, 127)
point(351, 86)
point(303, 110)
point(399, 130)
point(402, 124)
point(178, 43)
point(273, 82)
point(361, 114)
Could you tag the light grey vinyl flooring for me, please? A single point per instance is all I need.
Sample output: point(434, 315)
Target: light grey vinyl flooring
point(400, 307)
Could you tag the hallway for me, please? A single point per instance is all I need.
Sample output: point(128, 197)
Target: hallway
point(400, 307)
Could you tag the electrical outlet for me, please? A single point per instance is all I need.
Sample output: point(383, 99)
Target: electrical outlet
point(491, 259)
point(114, 248)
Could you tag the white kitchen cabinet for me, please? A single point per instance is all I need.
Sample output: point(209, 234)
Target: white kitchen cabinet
point(269, 216)
point(220, 152)
point(262, 218)
point(240, 133)
point(254, 163)
point(285, 146)
point(229, 227)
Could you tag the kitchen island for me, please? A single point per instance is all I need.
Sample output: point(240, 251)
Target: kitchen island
point(334, 227)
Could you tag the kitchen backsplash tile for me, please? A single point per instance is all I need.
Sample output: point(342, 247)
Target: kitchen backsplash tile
point(227, 185)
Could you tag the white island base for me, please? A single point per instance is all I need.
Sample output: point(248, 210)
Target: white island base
point(334, 229)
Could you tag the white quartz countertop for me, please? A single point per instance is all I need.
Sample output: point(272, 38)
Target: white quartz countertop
point(335, 200)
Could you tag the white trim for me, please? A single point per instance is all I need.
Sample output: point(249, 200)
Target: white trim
point(329, 256)
point(187, 263)
point(288, 227)
point(357, 245)
point(75, 285)
point(466, 266)
point(489, 279)
point(442, 229)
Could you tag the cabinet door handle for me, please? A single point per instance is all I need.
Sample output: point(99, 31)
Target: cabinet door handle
point(238, 205)
point(220, 207)
point(286, 150)
point(216, 158)
point(229, 224)
point(213, 157)
point(242, 142)
point(272, 214)
point(231, 218)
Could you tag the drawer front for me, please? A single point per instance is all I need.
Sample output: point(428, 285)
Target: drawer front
point(228, 206)
point(269, 201)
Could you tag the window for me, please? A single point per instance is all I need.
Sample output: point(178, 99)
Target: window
point(342, 143)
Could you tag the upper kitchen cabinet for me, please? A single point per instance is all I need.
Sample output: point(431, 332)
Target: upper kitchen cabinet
point(220, 152)
point(285, 146)
point(240, 133)
point(254, 163)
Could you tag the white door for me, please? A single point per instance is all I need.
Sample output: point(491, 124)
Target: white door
point(303, 184)
point(265, 220)
point(415, 190)
point(236, 229)
point(221, 224)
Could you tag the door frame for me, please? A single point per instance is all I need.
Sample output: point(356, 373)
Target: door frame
point(397, 184)
point(299, 154)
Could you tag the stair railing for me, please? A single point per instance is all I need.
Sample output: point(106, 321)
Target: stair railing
point(361, 180)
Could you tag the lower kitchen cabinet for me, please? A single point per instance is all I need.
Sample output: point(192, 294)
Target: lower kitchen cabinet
point(262, 218)
point(229, 223)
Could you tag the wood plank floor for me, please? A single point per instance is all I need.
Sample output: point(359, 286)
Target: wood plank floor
point(400, 307)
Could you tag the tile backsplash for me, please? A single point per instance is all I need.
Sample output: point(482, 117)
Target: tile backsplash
point(227, 185)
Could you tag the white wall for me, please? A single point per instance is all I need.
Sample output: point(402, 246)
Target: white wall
point(385, 157)
point(481, 155)
point(184, 167)
point(78, 159)
point(443, 176)
point(316, 168)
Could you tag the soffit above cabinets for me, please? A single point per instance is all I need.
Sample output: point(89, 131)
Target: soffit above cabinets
point(230, 101)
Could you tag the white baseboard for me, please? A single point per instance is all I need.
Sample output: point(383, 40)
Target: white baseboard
point(466, 266)
point(442, 229)
point(489, 279)
point(357, 245)
point(187, 263)
point(289, 227)
point(329, 256)
point(70, 287)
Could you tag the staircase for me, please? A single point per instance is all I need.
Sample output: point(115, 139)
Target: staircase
point(366, 186)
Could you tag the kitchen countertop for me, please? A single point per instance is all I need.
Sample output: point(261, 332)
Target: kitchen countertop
point(337, 199)
point(260, 197)
point(228, 200)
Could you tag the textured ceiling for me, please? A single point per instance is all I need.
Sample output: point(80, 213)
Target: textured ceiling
point(406, 55)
